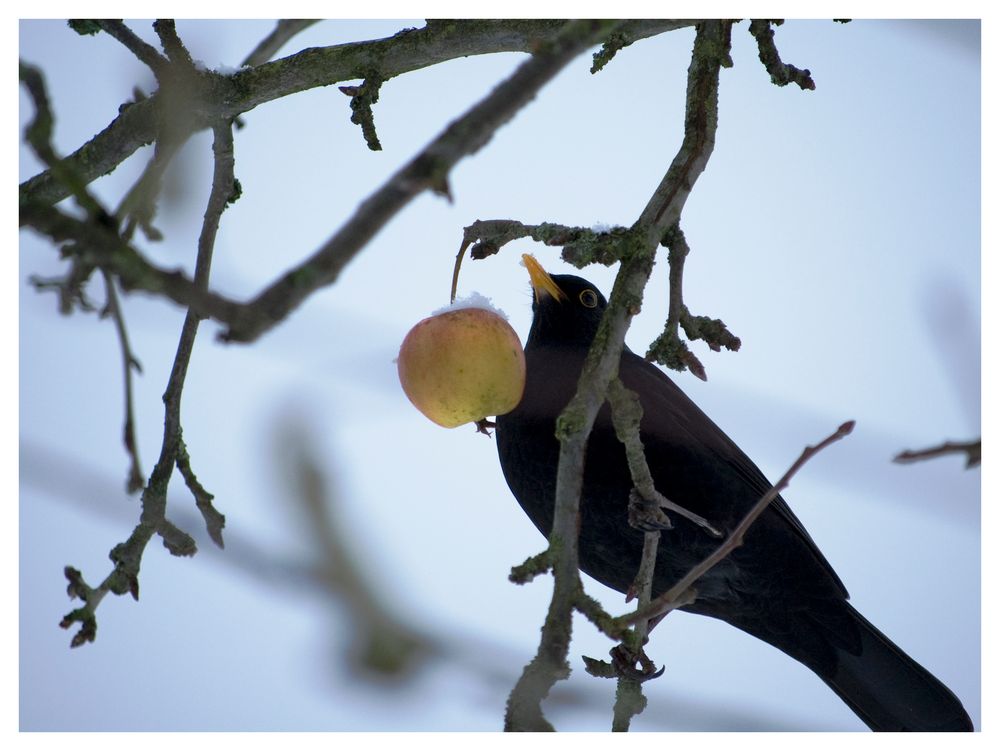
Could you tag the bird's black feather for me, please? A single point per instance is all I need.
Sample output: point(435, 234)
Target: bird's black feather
point(777, 586)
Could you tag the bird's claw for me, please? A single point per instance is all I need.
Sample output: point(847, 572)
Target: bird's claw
point(483, 426)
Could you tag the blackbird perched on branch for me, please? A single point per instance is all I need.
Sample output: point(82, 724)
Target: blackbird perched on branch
point(777, 586)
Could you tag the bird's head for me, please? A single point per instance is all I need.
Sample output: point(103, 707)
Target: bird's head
point(567, 309)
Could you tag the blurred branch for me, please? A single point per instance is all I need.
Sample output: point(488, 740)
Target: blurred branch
point(138, 206)
point(409, 50)
point(381, 642)
point(101, 245)
point(145, 52)
point(38, 135)
point(284, 30)
point(134, 481)
point(299, 570)
point(973, 451)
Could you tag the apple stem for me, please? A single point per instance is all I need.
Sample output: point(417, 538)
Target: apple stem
point(466, 242)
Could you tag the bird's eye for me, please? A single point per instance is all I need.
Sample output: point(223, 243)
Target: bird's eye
point(588, 298)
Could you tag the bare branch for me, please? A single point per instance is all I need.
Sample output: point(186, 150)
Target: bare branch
point(285, 29)
point(973, 451)
point(100, 245)
point(166, 30)
point(145, 52)
point(682, 592)
point(574, 424)
point(407, 51)
point(362, 99)
point(135, 480)
point(781, 73)
point(668, 348)
point(427, 170)
point(38, 134)
point(127, 556)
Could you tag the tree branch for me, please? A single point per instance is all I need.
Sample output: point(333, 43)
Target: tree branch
point(668, 348)
point(284, 30)
point(574, 424)
point(38, 134)
point(362, 99)
point(145, 52)
point(407, 51)
point(781, 73)
point(626, 414)
point(100, 245)
point(127, 556)
point(427, 170)
point(134, 480)
point(682, 592)
point(973, 451)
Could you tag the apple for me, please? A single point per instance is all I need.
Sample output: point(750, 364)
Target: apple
point(462, 365)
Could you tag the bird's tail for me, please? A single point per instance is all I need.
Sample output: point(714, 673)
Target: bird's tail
point(888, 690)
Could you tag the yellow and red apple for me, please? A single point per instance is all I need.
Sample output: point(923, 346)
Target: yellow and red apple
point(462, 365)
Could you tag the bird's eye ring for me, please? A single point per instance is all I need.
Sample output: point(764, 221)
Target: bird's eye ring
point(588, 298)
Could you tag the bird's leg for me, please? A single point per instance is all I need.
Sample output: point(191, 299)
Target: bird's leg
point(483, 426)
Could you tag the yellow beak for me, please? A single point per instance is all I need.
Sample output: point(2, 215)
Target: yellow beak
point(541, 282)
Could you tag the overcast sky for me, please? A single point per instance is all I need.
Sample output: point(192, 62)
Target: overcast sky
point(836, 231)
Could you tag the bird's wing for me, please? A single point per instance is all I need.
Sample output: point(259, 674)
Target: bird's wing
point(669, 416)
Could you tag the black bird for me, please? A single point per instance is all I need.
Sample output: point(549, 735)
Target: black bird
point(777, 587)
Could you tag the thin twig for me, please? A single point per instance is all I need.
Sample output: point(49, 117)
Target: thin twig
point(138, 206)
point(781, 73)
point(362, 99)
point(223, 192)
point(135, 478)
point(973, 451)
point(127, 556)
point(668, 348)
point(38, 134)
point(102, 246)
point(682, 592)
point(285, 29)
point(629, 699)
point(145, 52)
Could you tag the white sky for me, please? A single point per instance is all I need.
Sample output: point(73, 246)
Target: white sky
point(837, 232)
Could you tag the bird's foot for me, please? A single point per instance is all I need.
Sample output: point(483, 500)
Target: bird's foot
point(636, 667)
point(646, 515)
point(483, 426)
